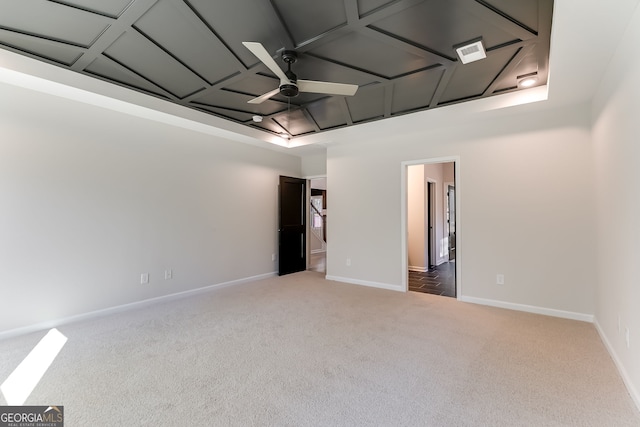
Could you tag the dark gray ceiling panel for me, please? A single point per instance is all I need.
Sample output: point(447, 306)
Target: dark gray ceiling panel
point(240, 21)
point(113, 71)
point(355, 49)
point(58, 52)
point(471, 80)
point(295, 122)
point(306, 20)
point(523, 11)
point(440, 28)
point(111, 8)
point(145, 58)
point(415, 91)
point(53, 21)
point(368, 6)
point(398, 52)
point(368, 103)
point(328, 113)
point(188, 39)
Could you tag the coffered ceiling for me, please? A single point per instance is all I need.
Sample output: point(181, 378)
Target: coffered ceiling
point(400, 53)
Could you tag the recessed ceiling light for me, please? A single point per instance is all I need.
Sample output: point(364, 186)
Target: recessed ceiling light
point(257, 118)
point(471, 51)
point(527, 80)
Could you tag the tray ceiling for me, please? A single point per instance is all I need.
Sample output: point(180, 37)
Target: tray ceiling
point(400, 53)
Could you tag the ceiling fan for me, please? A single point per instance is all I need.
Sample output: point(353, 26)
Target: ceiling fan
point(290, 86)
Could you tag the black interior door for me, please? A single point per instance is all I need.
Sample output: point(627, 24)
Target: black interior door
point(292, 254)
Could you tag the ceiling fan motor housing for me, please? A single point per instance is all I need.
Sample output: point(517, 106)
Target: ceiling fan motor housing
point(289, 90)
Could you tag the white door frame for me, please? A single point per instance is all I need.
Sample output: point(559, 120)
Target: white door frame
point(430, 206)
point(403, 218)
point(307, 213)
point(445, 190)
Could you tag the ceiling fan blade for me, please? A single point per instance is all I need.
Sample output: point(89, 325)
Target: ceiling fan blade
point(327, 87)
point(263, 55)
point(262, 98)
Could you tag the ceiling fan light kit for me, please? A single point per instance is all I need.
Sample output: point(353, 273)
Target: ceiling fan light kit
point(290, 86)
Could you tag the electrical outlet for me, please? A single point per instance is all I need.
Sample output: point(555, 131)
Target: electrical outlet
point(500, 279)
point(273, 257)
point(168, 274)
point(144, 278)
point(348, 262)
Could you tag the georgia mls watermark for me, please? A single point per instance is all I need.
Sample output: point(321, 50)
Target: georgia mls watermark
point(31, 416)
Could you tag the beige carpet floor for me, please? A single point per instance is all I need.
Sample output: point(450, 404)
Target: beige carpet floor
point(302, 351)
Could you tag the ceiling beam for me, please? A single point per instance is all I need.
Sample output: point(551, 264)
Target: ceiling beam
point(344, 107)
point(443, 84)
point(116, 28)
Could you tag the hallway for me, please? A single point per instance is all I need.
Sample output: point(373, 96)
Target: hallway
point(440, 280)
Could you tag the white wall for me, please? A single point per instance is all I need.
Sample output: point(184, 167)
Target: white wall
point(91, 198)
point(449, 173)
point(616, 136)
point(314, 163)
point(526, 205)
point(416, 203)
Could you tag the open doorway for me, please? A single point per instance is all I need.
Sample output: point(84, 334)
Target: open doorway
point(318, 224)
point(430, 228)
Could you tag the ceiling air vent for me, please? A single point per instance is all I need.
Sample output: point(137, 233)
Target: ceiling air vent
point(471, 51)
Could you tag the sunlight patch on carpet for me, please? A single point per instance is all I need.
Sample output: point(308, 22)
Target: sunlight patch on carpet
point(19, 385)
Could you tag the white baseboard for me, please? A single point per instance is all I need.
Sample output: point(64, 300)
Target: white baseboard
point(420, 269)
point(126, 307)
point(635, 395)
point(365, 283)
point(529, 308)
